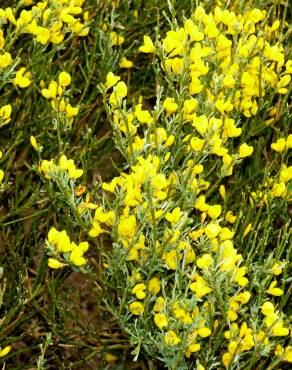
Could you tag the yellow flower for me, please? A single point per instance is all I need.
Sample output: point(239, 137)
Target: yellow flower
point(288, 354)
point(110, 358)
point(256, 15)
point(188, 251)
point(247, 229)
point(169, 141)
point(111, 80)
point(125, 63)
point(230, 217)
point(57, 37)
point(245, 150)
point(261, 337)
point(110, 186)
point(171, 339)
point(212, 230)
point(5, 60)
point(289, 141)
point(197, 144)
point(76, 256)
point(279, 350)
point(60, 240)
point(211, 30)
point(201, 124)
point(71, 111)
point(196, 234)
point(273, 290)
point(181, 314)
point(201, 205)
point(285, 173)
point(34, 142)
point(148, 46)
point(5, 113)
point(190, 105)
point(159, 305)
point(222, 191)
point(53, 236)
point(154, 285)
point(239, 276)
point(279, 189)
point(281, 85)
point(144, 116)
point(46, 14)
point(174, 216)
point(171, 259)
point(270, 320)
point(55, 264)
point(276, 269)
point(116, 39)
point(205, 261)
point(200, 287)
point(195, 86)
point(136, 308)
point(10, 15)
point(174, 42)
point(232, 315)
point(223, 106)
point(279, 145)
point(52, 90)
point(243, 298)
point(79, 29)
point(127, 227)
point(5, 351)
point(278, 330)
point(1, 175)
point(214, 211)
point(175, 64)
point(66, 17)
point(80, 190)
point(170, 105)
point(193, 31)
point(227, 358)
point(247, 342)
point(195, 347)
point(43, 35)
point(74, 173)
point(226, 234)
point(204, 332)
point(161, 320)
point(120, 91)
point(22, 79)
point(228, 81)
point(64, 79)
point(138, 290)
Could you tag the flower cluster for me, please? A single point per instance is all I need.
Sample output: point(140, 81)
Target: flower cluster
point(64, 167)
point(5, 114)
point(60, 247)
point(55, 93)
point(48, 21)
point(275, 187)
